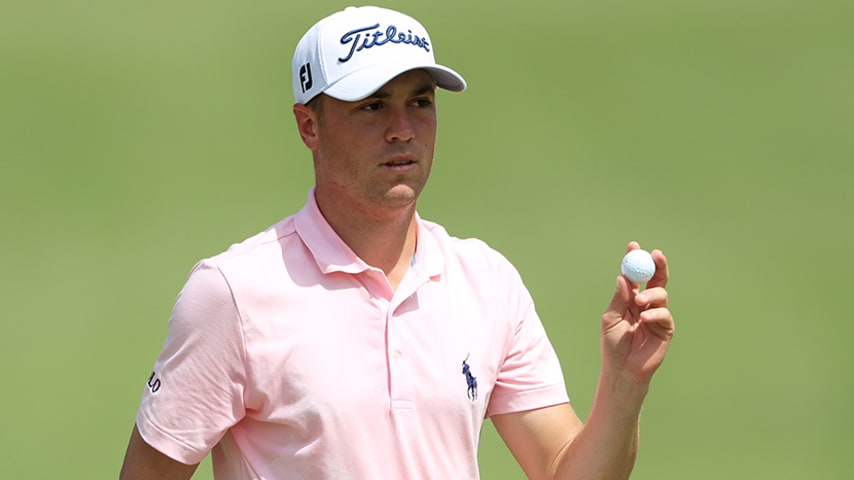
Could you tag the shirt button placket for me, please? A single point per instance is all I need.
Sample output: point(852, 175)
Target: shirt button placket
point(400, 371)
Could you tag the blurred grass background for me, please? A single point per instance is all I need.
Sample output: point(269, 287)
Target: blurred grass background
point(138, 137)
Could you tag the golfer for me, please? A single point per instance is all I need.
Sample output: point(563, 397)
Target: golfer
point(357, 340)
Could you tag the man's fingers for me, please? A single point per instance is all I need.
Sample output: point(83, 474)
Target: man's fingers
point(653, 297)
point(632, 246)
point(662, 270)
point(659, 321)
point(619, 302)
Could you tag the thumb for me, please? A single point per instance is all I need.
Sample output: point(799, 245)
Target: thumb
point(619, 303)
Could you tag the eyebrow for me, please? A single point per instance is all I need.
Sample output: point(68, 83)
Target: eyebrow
point(427, 87)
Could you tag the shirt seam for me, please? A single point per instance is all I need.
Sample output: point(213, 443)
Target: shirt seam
point(247, 371)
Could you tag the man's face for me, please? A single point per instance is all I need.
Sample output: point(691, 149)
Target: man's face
point(377, 152)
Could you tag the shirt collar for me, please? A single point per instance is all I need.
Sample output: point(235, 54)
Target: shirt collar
point(333, 255)
point(329, 251)
point(429, 259)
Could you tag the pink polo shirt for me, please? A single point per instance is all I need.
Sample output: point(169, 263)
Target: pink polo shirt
point(289, 357)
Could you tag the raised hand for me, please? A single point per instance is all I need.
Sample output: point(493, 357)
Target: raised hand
point(637, 326)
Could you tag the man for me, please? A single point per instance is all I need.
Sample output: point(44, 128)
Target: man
point(357, 340)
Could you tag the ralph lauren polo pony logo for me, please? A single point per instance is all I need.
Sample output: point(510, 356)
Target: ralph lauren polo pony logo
point(471, 380)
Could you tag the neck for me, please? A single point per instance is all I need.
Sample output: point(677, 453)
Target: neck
point(384, 238)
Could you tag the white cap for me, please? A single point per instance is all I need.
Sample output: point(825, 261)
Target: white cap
point(352, 53)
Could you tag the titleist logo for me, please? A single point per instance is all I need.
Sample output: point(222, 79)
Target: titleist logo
point(369, 37)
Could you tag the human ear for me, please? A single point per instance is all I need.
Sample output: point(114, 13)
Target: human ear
point(306, 120)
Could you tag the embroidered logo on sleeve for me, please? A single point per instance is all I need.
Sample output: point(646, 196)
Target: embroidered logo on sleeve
point(471, 380)
point(153, 382)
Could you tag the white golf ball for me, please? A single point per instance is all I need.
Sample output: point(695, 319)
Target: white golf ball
point(638, 266)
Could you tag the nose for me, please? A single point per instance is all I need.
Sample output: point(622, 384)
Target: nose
point(400, 126)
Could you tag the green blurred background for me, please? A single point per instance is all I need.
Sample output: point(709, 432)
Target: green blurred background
point(138, 137)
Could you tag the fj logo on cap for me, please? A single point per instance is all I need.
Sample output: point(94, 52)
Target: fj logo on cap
point(305, 77)
point(379, 38)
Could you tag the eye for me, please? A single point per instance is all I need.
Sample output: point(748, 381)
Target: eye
point(372, 106)
point(423, 102)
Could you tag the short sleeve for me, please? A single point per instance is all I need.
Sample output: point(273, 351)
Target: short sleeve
point(195, 393)
point(530, 376)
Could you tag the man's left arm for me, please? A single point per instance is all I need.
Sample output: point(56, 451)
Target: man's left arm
point(552, 443)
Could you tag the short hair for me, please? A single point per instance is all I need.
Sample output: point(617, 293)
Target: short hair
point(316, 104)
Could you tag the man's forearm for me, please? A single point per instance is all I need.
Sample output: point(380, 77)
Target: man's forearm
point(607, 445)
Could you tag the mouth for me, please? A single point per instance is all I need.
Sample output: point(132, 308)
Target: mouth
point(400, 163)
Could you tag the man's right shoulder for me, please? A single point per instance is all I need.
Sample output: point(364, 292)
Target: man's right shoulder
point(268, 241)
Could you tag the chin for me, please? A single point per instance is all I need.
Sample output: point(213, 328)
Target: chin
point(402, 193)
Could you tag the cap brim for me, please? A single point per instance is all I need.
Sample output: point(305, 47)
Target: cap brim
point(362, 83)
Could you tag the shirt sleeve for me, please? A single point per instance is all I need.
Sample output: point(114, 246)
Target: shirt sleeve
point(195, 393)
point(530, 376)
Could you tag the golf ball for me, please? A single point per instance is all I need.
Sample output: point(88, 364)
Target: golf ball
point(638, 266)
